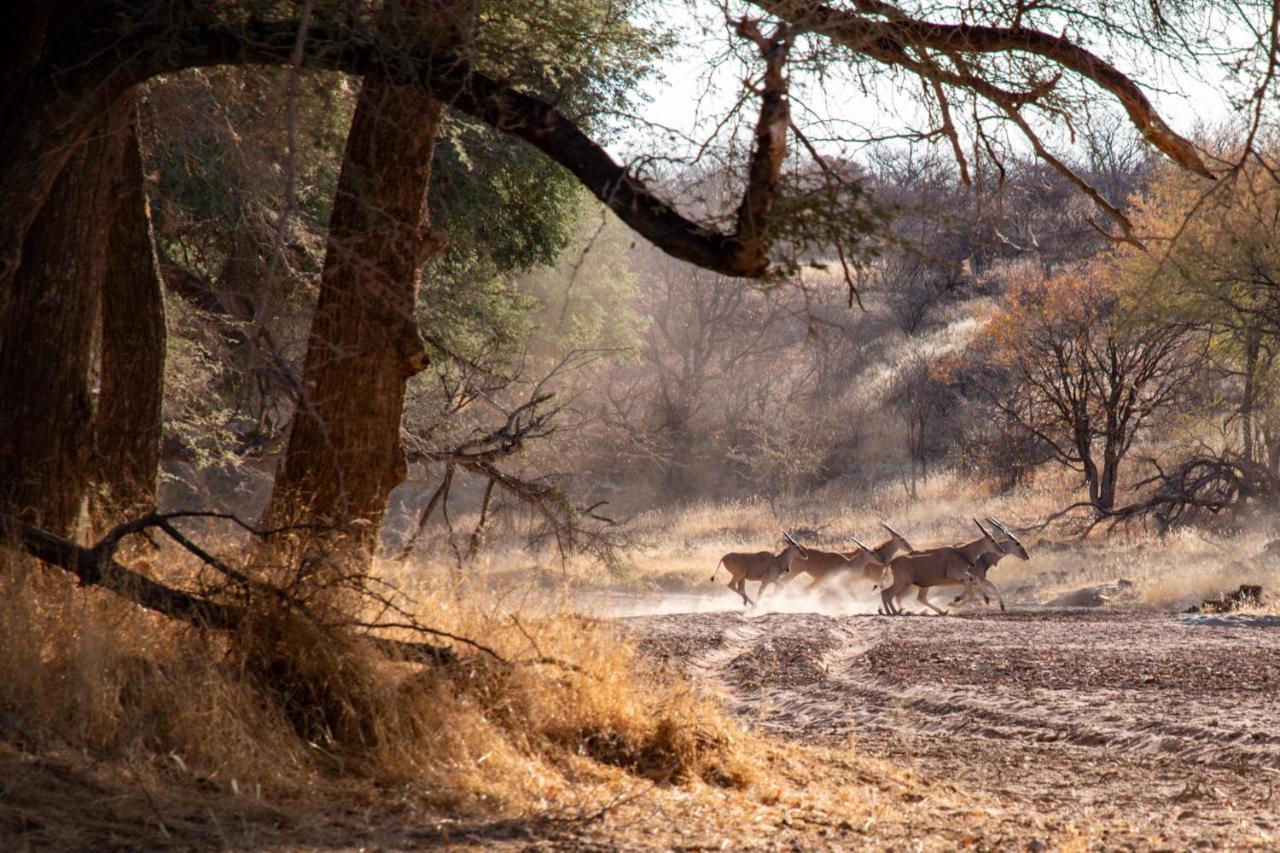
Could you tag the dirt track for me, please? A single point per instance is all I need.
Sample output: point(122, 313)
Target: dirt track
point(1134, 723)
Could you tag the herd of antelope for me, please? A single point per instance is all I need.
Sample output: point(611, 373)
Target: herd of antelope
point(894, 566)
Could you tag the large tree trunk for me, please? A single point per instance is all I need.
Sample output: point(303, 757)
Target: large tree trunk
point(40, 128)
point(344, 454)
point(128, 425)
point(46, 407)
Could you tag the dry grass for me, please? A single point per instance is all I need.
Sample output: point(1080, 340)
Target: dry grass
point(120, 728)
point(100, 701)
point(676, 549)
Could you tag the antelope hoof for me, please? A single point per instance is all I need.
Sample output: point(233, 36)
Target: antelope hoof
point(1002, 607)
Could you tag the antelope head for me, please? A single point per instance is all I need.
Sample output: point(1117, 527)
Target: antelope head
point(793, 548)
point(1011, 545)
point(870, 552)
point(986, 534)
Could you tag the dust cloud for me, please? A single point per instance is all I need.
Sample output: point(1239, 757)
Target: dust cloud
point(719, 599)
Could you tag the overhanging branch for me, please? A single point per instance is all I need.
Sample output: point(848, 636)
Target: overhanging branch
point(883, 32)
point(159, 42)
point(97, 566)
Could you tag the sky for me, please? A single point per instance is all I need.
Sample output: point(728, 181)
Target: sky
point(688, 95)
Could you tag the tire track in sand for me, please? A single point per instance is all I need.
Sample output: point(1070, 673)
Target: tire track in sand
point(819, 677)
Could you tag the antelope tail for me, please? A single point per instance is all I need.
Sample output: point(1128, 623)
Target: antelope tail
point(717, 568)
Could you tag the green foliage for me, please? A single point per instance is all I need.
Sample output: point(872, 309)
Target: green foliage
point(587, 300)
point(586, 55)
point(220, 151)
point(509, 210)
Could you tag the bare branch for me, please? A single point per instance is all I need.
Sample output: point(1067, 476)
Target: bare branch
point(888, 39)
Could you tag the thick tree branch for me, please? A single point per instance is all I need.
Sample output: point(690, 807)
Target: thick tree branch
point(770, 147)
point(160, 41)
point(888, 36)
point(96, 567)
point(124, 43)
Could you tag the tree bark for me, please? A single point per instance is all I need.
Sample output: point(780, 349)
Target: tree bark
point(1248, 403)
point(128, 425)
point(46, 406)
point(344, 454)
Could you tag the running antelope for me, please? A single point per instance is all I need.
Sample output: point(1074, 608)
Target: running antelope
point(761, 566)
point(945, 566)
point(986, 561)
point(822, 566)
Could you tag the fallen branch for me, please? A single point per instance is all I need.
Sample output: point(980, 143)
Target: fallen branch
point(96, 566)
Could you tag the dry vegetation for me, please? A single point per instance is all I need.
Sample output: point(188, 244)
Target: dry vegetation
point(121, 728)
point(401, 318)
point(674, 550)
point(191, 728)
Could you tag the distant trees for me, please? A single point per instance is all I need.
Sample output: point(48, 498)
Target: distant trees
point(1211, 260)
point(1214, 259)
point(921, 400)
point(709, 370)
point(1063, 360)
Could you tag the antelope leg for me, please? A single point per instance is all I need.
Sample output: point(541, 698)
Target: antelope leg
point(886, 602)
point(899, 594)
point(988, 586)
point(923, 598)
point(972, 583)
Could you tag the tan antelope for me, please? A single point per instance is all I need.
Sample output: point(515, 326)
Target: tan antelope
point(760, 566)
point(822, 566)
point(986, 561)
point(945, 566)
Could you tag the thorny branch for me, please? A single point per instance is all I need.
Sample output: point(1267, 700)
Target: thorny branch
point(153, 39)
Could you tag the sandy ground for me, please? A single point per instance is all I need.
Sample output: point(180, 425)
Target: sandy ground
point(1143, 729)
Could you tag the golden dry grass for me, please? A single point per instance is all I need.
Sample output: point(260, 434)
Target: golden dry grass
point(118, 727)
point(100, 700)
point(675, 550)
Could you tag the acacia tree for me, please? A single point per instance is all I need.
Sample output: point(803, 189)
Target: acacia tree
point(90, 261)
point(921, 400)
point(77, 57)
point(1062, 361)
point(1214, 259)
point(128, 422)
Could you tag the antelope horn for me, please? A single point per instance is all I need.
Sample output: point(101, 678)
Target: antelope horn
point(886, 526)
point(1003, 529)
point(984, 530)
point(858, 542)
